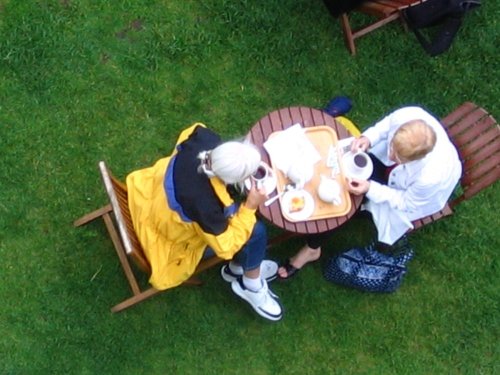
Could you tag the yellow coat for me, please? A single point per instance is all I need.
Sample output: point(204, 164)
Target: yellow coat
point(173, 246)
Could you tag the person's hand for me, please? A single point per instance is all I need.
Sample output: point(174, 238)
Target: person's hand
point(360, 144)
point(357, 186)
point(255, 196)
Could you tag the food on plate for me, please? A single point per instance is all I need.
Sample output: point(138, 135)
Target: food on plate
point(297, 203)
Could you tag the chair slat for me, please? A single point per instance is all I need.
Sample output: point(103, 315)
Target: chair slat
point(462, 125)
point(476, 134)
point(469, 143)
point(458, 113)
point(491, 166)
point(485, 152)
point(479, 185)
point(446, 211)
point(471, 126)
point(116, 207)
point(377, 9)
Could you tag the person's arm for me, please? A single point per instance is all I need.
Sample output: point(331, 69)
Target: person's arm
point(237, 232)
point(238, 229)
point(418, 194)
point(379, 131)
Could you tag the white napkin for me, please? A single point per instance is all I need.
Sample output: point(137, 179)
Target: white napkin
point(289, 146)
point(345, 144)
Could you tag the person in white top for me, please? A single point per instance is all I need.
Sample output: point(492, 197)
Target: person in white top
point(416, 168)
point(423, 166)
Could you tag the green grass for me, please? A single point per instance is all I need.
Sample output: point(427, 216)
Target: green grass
point(83, 81)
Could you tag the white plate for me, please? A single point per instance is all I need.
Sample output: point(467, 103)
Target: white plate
point(303, 214)
point(270, 182)
point(362, 174)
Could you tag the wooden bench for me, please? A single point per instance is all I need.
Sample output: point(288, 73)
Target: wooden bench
point(476, 134)
point(384, 11)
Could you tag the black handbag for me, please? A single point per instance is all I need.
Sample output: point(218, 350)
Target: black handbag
point(369, 270)
point(444, 16)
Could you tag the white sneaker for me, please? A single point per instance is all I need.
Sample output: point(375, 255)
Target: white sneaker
point(263, 301)
point(268, 271)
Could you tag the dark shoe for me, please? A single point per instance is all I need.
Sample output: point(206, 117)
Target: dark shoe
point(290, 270)
point(338, 106)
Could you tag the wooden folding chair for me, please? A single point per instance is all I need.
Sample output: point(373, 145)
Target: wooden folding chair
point(476, 134)
point(384, 10)
point(116, 216)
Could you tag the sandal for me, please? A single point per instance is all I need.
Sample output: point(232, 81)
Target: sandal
point(291, 271)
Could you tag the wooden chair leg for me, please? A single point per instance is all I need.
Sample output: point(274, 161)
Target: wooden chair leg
point(376, 25)
point(93, 215)
point(403, 22)
point(120, 251)
point(348, 37)
point(193, 280)
point(135, 299)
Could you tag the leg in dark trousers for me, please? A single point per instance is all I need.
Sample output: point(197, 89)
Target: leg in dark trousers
point(310, 252)
point(379, 170)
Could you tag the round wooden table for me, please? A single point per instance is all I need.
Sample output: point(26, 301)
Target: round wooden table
point(280, 120)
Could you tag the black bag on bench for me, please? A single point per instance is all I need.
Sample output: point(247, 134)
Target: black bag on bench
point(337, 7)
point(445, 15)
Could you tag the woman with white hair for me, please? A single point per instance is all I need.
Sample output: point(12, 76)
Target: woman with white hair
point(182, 210)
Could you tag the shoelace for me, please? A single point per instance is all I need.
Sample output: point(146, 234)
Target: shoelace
point(268, 291)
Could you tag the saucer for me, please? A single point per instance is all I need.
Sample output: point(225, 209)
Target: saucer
point(362, 174)
point(270, 182)
point(301, 215)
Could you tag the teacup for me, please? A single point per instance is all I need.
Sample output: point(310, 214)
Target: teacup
point(260, 175)
point(360, 160)
point(357, 161)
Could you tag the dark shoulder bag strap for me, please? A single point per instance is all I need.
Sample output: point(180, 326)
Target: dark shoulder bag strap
point(443, 38)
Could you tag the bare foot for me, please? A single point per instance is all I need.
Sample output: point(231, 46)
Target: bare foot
point(304, 256)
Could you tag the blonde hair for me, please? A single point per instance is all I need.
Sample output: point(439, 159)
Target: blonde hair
point(413, 140)
point(233, 162)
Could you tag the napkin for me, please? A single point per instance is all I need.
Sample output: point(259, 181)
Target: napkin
point(289, 146)
point(345, 144)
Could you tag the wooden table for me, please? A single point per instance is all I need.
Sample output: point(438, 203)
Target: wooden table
point(280, 120)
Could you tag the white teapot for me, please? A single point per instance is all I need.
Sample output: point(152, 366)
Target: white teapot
point(300, 173)
point(329, 190)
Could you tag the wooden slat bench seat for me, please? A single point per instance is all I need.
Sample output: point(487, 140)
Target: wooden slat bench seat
point(476, 134)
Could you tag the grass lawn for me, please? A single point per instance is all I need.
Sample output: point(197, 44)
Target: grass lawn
point(83, 81)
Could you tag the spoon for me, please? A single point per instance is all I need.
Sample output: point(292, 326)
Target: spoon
point(275, 198)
